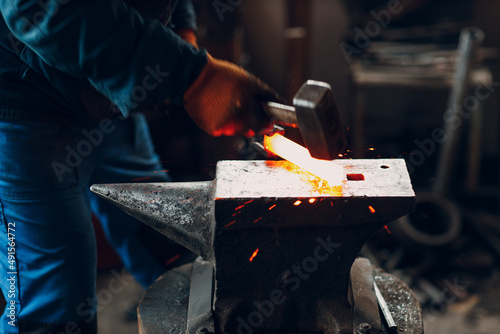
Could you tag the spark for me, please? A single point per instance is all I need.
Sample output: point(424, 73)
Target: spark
point(239, 207)
point(371, 149)
point(297, 203)
point(141, 179)
point(173, 259)
point(272, 207)
point(155, 200)
point(372, 210)
point(387, 228)
point(256, 220)
point(254, 254)
point(231, 223)
point(312, 200)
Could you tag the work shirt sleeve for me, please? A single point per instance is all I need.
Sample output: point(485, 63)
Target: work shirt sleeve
point(134, 62)
point(184, 16)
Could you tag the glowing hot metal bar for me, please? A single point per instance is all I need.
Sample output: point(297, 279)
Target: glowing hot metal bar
point(299, 155)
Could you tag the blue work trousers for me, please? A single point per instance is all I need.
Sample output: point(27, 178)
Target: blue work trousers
point(47, 243)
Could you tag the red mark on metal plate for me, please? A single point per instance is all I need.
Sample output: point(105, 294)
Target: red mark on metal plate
point(355, 177)
point(254, 254)
point(372, 210)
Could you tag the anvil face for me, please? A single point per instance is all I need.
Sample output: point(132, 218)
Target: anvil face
point(274, 232)
point(277, 193)
point(282, 179)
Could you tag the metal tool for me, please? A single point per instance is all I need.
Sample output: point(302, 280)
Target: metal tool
point(470, 40)
point(282, 246)
point(316, 115)
point(391, 325)
point(434, 208)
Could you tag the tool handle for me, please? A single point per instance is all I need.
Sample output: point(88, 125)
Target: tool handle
point(281, 113)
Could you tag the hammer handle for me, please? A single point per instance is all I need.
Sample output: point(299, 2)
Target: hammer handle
point(282, 113)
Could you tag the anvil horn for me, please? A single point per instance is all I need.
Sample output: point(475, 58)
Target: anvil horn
point(184, 212)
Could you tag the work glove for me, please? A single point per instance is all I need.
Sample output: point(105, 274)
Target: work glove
point(188, 35)
point(227, 100)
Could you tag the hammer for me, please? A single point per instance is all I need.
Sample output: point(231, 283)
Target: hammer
point(316, 115)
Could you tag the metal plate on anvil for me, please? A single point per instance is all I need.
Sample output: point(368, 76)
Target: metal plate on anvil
point(281, 179)
point(375, 190)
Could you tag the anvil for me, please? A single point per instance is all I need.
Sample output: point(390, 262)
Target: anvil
point(277, 237)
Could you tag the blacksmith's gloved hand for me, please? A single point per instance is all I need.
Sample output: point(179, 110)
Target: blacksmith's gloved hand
point(188, 35)
point(227, 100)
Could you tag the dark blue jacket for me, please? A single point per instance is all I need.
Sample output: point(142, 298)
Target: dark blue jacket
point(54, 52)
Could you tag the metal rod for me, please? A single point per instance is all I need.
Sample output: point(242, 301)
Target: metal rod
point(469, 40)
point(281, 112)
point(385, 310)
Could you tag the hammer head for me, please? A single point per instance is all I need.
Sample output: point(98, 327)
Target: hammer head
point(319, 120)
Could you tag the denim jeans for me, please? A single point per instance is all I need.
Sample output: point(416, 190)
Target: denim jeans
point(47, 243)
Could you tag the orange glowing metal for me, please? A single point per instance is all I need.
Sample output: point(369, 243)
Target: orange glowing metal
point(254, 254)
point(299, 155)
point(297, 203)
point(372, 210)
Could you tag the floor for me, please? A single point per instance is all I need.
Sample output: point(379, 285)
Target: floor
point(118, 292)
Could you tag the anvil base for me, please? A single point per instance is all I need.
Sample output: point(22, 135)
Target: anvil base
point(164, 306)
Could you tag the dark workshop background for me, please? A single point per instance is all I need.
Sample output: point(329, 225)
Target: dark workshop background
point(288, 42)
